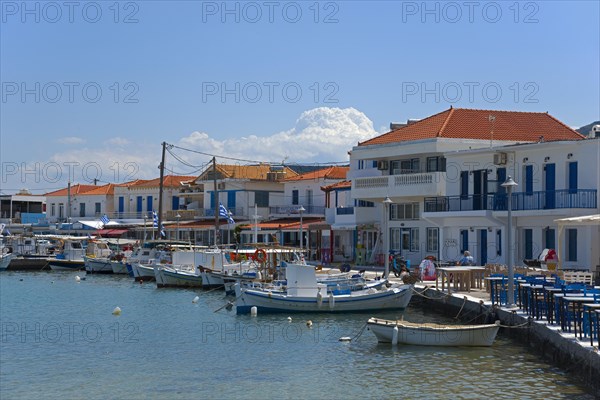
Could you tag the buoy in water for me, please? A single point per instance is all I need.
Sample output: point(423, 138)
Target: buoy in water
point(289, 319)
point(345, 339)
point(309, 323)
point(195, 299)
point(77, 278)
point(117, 311)
point(141, 281)
point(253, 311)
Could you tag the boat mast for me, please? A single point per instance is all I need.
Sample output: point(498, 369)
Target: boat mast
point(160, 189)
point(214, 160)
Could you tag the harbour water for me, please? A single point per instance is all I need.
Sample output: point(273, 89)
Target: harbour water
point(59, 339)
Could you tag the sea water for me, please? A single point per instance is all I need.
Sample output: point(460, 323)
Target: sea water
point(60, 339)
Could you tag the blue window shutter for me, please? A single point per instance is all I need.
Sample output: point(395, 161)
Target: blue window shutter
point(175, 203)
point(149, 203)
point(573, 177)
point(529, 179)
point(231, 199)
point(139, 204)
point(121, 204)
point(528, 243)
point(464, 183)
point(212, 200)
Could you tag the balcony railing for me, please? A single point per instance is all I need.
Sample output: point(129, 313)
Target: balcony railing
point(344, 210)
point(235, 211)
point(542, 200)
point(293, 210)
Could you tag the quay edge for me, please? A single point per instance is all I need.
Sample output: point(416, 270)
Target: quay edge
point(582, 361)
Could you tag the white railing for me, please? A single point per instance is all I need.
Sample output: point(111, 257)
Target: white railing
point(371, 182)
point(413, 179)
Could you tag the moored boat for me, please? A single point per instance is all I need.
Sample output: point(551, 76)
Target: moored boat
point(304, 294)
point(428, 334)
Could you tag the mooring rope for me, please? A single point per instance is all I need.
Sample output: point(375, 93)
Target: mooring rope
point(360, 332)
point(461, 308)
point(430, 298)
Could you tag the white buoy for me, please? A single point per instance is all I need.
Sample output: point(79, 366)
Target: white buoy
point(319, 298)
point(117, 311)
point(289, 319)
point(395, 336)
point(331, 301)
point(77, 278)
point(309, 323)
point(195, 299)
point(345, 339)
point(253, 311)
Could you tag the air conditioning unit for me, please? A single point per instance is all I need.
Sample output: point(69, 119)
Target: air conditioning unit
point(383, 165)
point(500, 158)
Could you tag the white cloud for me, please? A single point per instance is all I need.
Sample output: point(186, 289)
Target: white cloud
point(319, 135)
point(71, 140)
point(118, 141)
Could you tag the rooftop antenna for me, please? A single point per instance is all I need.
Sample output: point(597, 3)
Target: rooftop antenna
point(492, 119)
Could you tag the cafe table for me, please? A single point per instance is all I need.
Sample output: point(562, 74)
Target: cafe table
point(461, 278)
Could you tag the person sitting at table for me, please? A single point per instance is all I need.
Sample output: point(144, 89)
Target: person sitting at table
point(467, 259)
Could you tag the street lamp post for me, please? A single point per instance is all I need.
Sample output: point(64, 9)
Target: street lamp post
point(509, 184)
point(178, 217)
point(145, 218)
point(229, 214)
point(301, 210)
point(384, 230)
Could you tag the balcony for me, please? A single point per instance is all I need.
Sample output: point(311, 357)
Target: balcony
point(235, 212)
point(542, 200)
point(287, 211)
point(404, 185)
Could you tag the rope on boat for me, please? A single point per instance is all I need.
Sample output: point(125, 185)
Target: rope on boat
point(461, 307)
point(528, 323)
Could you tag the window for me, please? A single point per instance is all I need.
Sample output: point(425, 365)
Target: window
point(464, 240)
point(82, 209)
point(261, 198)
point(374, 165)
point(61, 210)
point(363, 203)
point(98, 208)
point(295, 197)
point(432, 240)
point(571, 244)
point(404, 211)
point(309, 199)
point(53, 209)
point(464, 184)
point(361, 164)
point(411, 166)
point(499, 242)
point(528, 233)
point(404, 239)
point(436, 164)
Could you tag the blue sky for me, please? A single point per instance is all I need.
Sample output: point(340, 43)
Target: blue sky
point(302, 81)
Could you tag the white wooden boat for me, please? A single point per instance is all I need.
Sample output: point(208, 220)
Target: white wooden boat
point(305, 294)
point(70, 255)
point(177, 276)
point(428, 334)
point(119, 267)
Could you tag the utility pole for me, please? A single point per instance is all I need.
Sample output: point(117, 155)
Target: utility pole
point(160, 189)
point(214, 160)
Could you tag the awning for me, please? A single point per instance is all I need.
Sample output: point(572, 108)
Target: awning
point(572, 221)
point(97, 224)
point(343, 227)
point(110, 232)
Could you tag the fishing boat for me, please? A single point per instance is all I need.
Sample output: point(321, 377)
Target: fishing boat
point(304, 294)
point(428, 334)
point(5, 259)
point(97, 257)
point(177, 276)
point(69, 255)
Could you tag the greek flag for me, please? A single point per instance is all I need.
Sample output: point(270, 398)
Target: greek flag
point(104, 219)
point(155, 219)
point(162, 230)
point(225, 214)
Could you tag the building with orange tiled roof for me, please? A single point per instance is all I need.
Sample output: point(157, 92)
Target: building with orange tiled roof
point(410, 164)
point(86, 202)
point(137, 199)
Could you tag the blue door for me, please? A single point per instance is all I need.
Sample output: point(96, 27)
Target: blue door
point(149, 203)
point(477, 190)
point(139, 205)
point(482, 247)
point(464, 240)
point(500, 196)
point(529, 179)
point(231, 201)
point(175, 203)
point(529, 243)
point(121, 205)
point(550, 185)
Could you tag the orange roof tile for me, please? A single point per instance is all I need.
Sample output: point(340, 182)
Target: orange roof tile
point(254, 172)
point(76, 189)
point(108, 189)
point(337, 185)
point(335, 172)
point(464, 123)
point(168, 181)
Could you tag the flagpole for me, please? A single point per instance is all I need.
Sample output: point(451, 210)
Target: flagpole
point(161, 186)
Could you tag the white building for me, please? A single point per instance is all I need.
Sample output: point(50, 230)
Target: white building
point(410, 164)
point(79, 202)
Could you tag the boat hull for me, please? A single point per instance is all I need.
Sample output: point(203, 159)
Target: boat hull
point(143, 272)
point(169, 277)
point(98, 266)
point(119, 267)
point(66, 265)
point(5, 261)
point(396, 298)
point(433, 334)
